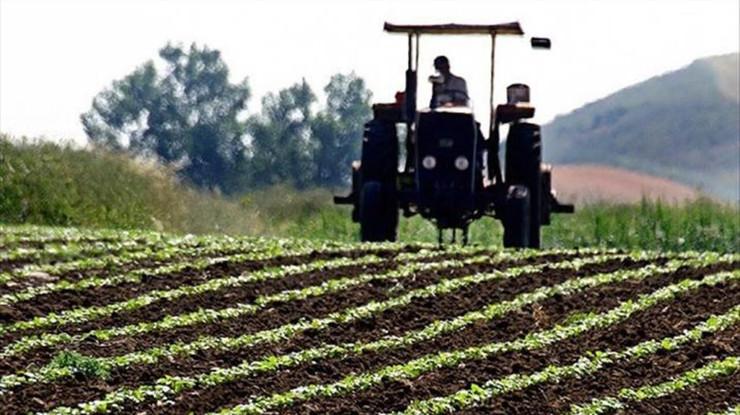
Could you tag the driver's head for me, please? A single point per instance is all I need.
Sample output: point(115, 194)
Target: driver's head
point(442, 64)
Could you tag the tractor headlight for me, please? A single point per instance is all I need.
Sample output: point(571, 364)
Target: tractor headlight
point(462, 163)
point(429, 162)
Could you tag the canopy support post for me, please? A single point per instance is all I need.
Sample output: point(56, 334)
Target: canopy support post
point(491, 113)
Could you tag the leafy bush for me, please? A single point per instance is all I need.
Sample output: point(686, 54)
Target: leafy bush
point(53, 184)
point(80, 365)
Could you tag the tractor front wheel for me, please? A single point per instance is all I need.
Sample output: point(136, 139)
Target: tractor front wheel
point(516, 218)
point(378, 212)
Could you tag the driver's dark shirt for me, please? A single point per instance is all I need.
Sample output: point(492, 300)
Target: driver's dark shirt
point(453, 90)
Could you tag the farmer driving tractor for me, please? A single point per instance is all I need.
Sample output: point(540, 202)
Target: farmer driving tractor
point(447, 89)
point(450, 174)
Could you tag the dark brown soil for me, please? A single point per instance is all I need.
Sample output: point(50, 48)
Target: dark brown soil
point(633, 374)
point(112, 268)
point(557, 398)
point(269, 318)
point(281, 314)
point(391, 322)
point(714, 396)
point(538, 316)
point(426, 310)
point(654, 323)
point(63, 300)
point(105, 295)
point(19, 284)
point(670, 319)
point(9, 264)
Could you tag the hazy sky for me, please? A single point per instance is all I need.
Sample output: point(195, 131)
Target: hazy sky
point(55, 55)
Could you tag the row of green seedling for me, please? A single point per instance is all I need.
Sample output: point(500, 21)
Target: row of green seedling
point(441, 327)
point(65, 249)
point(58, 251)
point(87, 314)
point(612, 404)
point(192, 247)
point(446, 359)
point(12, 235)
point(590, 363)
point(204, 316)
point(151, 356)
point(199, 317)
point(734, 409)
point(200, 258)
point(161, 250)
point(65, 253)
point(171, 385)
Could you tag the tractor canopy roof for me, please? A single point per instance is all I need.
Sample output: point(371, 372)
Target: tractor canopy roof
point(512, 28)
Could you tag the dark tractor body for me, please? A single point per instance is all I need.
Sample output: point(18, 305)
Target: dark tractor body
point(452, 174)
point(448, 176)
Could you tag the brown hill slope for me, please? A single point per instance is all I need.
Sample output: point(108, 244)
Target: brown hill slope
point(590, 182)
point(683, 125)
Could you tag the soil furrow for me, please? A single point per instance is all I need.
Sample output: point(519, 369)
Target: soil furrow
point(269, 318)
point(93, 250)
point(77, 390)
point(712, 396)
point(280, 314)
point(468, 298)
point(537, 316)
point(10, 264)
point(114, 267)
point(106, 295)
point(657, 322)
point(426, 310)
point(26, 281)
point(99, 296)
point(247, 293)
point(557, 398)
point(630, 374)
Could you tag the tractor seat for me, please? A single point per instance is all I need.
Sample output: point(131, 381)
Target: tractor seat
point(453, 109)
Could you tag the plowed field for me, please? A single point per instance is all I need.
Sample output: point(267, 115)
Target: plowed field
point(145, 323)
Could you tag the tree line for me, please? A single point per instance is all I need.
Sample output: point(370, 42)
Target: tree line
point(190, 117)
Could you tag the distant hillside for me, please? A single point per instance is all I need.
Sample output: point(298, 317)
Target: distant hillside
point(586, 183)
point(684, 125)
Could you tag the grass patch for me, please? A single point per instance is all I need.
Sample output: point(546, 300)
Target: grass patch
point(702, 224)
point(51, 184)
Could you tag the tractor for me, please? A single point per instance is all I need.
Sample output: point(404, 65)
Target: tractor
point(437, 163)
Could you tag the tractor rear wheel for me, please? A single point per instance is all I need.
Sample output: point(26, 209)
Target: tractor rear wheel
point(516, 219)
point(524, 167)
point(378, 212)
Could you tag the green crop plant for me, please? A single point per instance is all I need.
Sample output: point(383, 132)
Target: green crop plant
point(78, 365)
point(426, 364)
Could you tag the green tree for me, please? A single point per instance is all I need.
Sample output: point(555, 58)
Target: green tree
point(281, 138)
point(338, 128)
point(190, 116)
